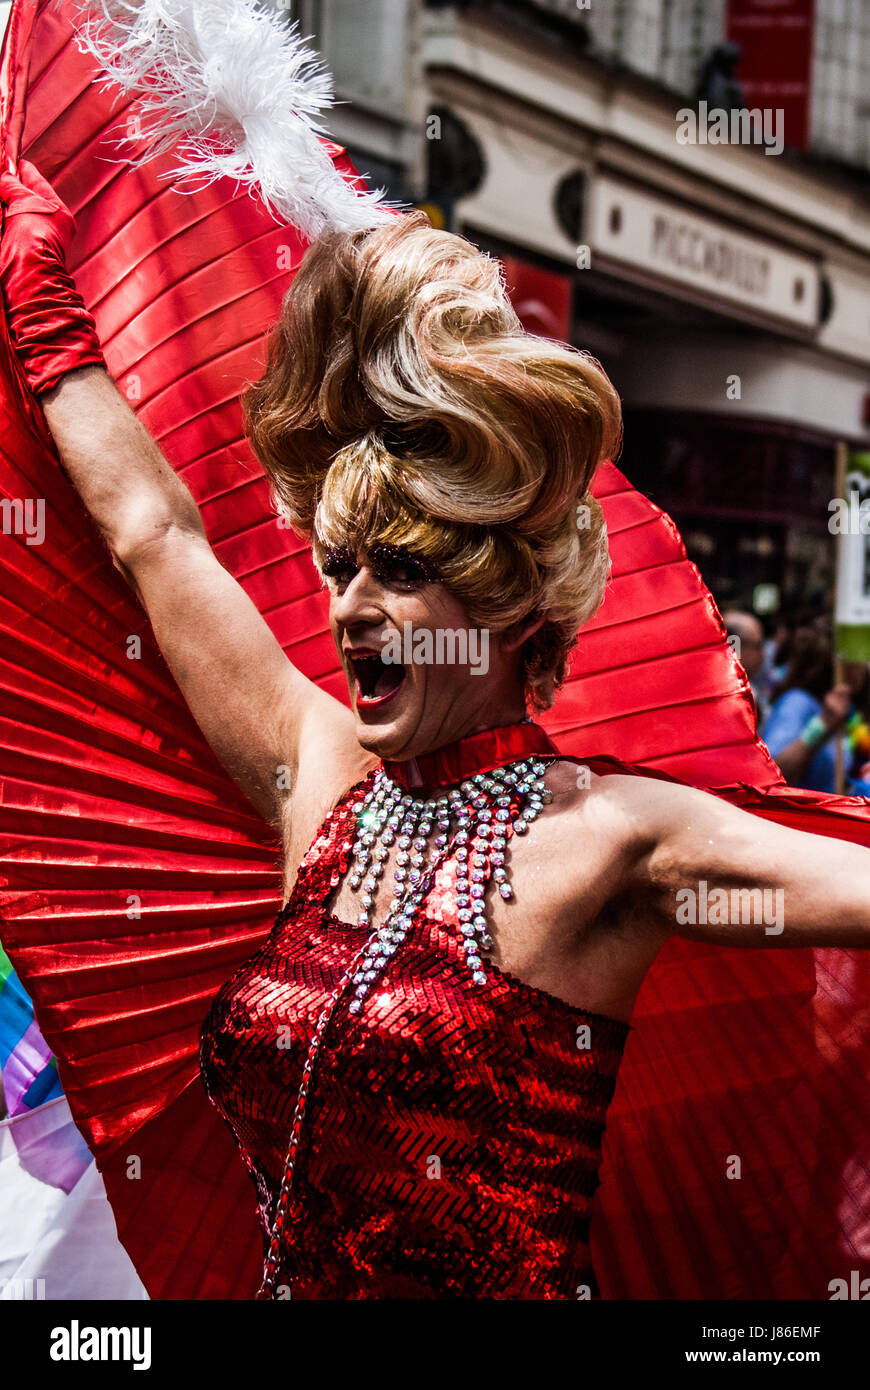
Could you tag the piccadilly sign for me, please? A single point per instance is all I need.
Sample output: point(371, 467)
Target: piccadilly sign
point(671, 242)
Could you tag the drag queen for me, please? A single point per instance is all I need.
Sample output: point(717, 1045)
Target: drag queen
point(416, 1064)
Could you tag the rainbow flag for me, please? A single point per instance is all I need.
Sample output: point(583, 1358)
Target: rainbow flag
point(27, 1067)
point(57, 1231)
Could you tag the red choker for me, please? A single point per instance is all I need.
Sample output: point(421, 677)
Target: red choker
point(479, 752)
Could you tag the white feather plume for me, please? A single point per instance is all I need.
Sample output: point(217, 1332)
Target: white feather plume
point(235, 91)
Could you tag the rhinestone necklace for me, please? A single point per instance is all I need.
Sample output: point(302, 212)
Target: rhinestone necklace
point(472, 823)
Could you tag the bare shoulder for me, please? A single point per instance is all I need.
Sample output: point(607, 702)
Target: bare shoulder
point(653, 835)
point(639, 804)
point(626, 805)
point(598, 829)
point(602, 833)
point(615, 825)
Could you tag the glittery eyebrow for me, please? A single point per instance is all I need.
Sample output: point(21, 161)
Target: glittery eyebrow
point(384, 555)
point(384, 558)
point(336, 557)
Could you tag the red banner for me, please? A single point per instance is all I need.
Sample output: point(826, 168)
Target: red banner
point(541, 298)
point(776, 37)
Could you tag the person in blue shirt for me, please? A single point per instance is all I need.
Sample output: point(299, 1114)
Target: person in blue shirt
point(809, 711)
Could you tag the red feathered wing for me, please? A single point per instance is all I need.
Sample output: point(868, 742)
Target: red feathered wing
point(135, 878)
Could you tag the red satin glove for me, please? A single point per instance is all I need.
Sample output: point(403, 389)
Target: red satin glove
point(51, 330)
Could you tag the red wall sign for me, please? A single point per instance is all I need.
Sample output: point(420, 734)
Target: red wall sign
point(541, 298)
point(776, 37)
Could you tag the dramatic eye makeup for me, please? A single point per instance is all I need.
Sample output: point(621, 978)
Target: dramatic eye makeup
point(391, 564)
point(339, 563)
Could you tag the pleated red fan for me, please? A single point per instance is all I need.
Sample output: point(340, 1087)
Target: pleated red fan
point(135, 878)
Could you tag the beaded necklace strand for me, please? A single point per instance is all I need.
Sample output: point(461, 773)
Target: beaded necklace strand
point(472, 822)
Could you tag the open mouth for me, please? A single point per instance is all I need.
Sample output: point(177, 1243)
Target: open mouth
point(376, 680)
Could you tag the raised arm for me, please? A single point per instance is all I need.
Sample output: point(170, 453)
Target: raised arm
point(254, 707)
point(713, 872)
point(258, 712)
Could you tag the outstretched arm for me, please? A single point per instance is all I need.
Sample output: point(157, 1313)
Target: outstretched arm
point(713, 872)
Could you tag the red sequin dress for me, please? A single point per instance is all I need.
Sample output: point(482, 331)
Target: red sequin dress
point(452, 1138)
point(135, 879)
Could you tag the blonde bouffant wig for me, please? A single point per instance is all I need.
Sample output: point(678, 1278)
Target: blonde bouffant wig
point(403, 403)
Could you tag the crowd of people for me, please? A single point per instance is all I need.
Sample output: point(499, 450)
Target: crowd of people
point(806, 701)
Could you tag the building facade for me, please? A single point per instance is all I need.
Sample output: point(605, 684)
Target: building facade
point(724, 286)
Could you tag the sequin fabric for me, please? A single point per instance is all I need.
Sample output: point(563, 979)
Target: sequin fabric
point(452, 1135)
